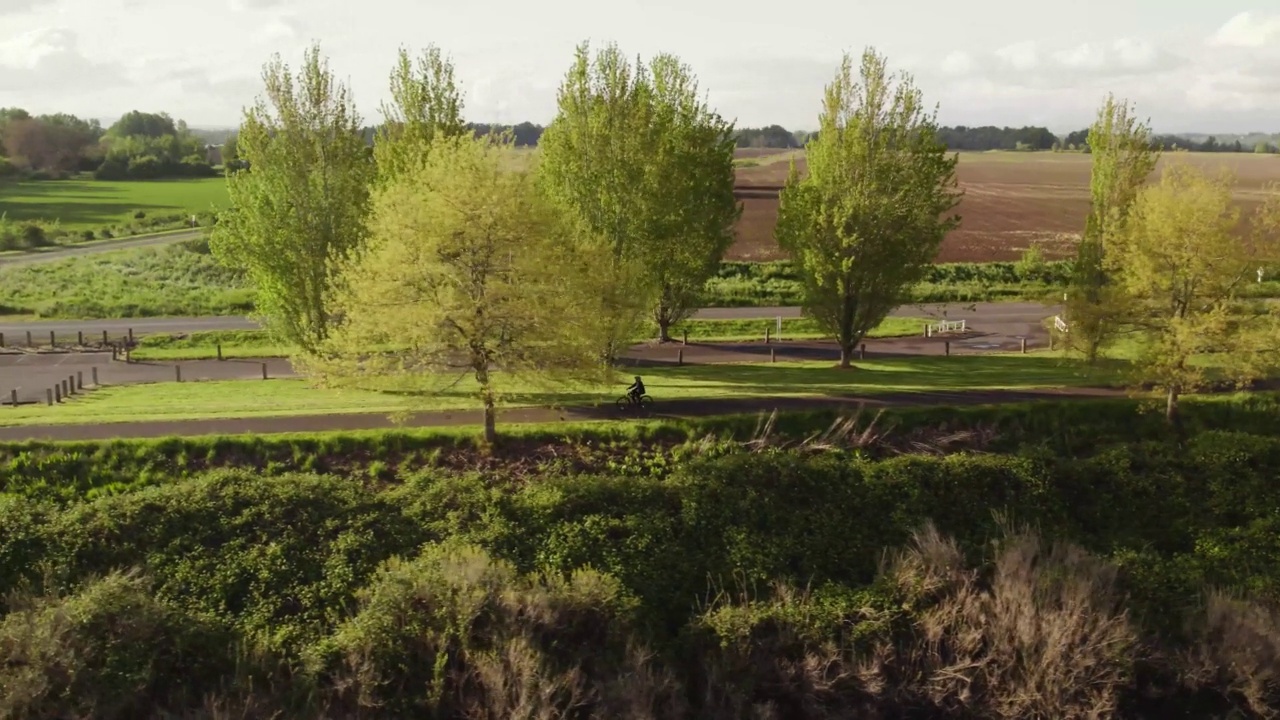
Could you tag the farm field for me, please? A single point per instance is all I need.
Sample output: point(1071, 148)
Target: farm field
point(91, 204)
point(1012, 200)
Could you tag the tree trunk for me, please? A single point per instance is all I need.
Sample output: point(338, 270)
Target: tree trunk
point(490, 421)
point(1171, 408)
point(664, 328)
point(846, 356)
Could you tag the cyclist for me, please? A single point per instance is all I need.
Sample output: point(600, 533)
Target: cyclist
point(635, 391)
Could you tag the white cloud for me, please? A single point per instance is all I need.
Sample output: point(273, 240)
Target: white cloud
point(51, 60)
point(957, 63)
point(1247, 31)
point(1024, 55)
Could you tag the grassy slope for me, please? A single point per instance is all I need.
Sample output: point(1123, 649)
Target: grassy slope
point(250, 398)
point(91, 204)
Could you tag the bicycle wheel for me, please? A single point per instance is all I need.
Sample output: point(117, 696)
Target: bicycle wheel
point(624, 403)
point(646, 402)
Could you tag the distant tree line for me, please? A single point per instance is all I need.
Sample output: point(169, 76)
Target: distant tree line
point(139, 146)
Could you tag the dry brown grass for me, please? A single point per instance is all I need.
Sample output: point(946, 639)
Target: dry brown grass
point(1237, 654)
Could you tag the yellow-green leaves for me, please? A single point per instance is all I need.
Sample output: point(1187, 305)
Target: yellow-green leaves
point(868, 218)
point(1181, 261)
point(471, 268)
point(301, 206)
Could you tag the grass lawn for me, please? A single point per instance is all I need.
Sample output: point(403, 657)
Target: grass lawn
point(91, 204)
point(261, 398)
point(257, 344)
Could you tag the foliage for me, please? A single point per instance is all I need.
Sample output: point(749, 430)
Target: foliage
point(472, 271)
point(302, 205)
point(865, 222)
point(1122, 157)
point(425, 104)
point(1180, 262)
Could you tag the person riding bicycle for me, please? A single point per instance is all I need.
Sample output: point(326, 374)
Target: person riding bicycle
point(635, 391)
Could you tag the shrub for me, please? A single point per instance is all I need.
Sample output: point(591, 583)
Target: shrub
point(139, 214)
point(110, 650)
point(145, 167)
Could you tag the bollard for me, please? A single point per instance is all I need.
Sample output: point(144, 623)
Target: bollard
point(80, 338)
point(946, 346)
point(219, 351)
point(1024, 345)
point(264, 371)
point(52, 342)
point(1, 339)
point(130, 336)
point(685, 339)
point(48, 396)
point(926, 329)
point(104, 337)
point(126, 355)
point(68, 387)
point(79, 379)
point(177, 373)
point(13, 397)
point(114, 352)
point(57, 396)
point(95, 376)
point(680, 357)
point(773, 354)
point(862, 351)
point(29, 339)
point(766, 335)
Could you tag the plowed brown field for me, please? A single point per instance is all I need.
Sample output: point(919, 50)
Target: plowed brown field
point(1012, 200)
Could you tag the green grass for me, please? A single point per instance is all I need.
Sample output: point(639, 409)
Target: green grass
point(258, 344)
point(265, 398)
point(91, 204)
point(180, 279)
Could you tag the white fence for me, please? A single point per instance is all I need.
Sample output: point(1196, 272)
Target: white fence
point(946, 326)
point(1059, 324)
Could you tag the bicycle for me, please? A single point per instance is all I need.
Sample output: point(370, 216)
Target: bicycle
point(625, 403)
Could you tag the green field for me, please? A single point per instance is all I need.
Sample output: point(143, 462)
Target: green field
point(204, 345)
point(92, 204)
point(265, 398)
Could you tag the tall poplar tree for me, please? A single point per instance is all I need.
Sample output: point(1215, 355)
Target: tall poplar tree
point(867, 220)
point(1123, 156)
point(302, 204)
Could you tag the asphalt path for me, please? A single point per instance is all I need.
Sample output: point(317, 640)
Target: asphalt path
point(68, 251)
point(1011, 319)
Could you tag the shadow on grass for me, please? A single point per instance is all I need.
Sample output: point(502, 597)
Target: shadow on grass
point(74, 202)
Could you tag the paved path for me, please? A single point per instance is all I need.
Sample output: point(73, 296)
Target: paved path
point(1009, 319)
point(674, 409)
point(67, 251)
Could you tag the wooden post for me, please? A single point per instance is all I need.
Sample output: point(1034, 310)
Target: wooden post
point(104, 337)
point(79, 338)
point(766, 334)
point(95, 376)
point(29, 338)
point(130, 336)
point(79, 379)
point(177, 373)
point(680, 357)
point(69, 386)
point(126, 355)
point(13, 397)
point(48, 396)
point(926, 329)
point(685, 339)
point(1023, 341)
point(264, 371)
point(773, 354)
point(219, 351)
point(52, 342)
point(57, 395)
point(946, 345)
point(1, 339)
point(862, 351)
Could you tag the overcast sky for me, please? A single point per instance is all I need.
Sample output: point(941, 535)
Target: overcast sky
point(1190, 65)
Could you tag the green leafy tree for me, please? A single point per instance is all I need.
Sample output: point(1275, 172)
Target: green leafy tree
point(689, 192)
point(594, 164)
point(1123, 157)
point(425, 103)
point(867, 220)
point(472, 276)
point(1182, 260)
point(303, 204)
